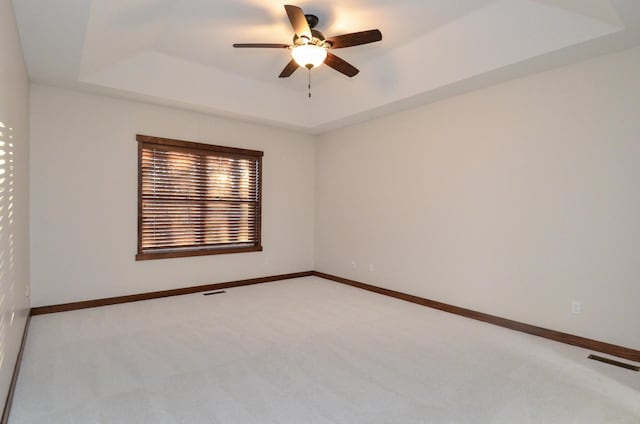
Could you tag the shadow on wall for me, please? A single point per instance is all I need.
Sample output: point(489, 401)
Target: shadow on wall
point(7, 280)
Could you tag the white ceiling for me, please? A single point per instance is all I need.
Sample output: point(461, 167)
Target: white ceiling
point(179, 52)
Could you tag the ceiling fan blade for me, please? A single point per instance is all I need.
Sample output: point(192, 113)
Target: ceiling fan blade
point(289, 69)
point(298, 21)
point(340, 65)
point(263, 45)
point(355, 39)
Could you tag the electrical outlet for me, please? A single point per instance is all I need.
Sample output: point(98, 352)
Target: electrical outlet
point(576, 307)
point(27, 291)
point(370, 267)
point(353, 264)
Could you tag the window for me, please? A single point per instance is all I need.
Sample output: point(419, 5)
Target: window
point(197, 199)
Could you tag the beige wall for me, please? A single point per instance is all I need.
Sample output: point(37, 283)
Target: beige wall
point(84, 198)
point(14, 194)
point(513, 200)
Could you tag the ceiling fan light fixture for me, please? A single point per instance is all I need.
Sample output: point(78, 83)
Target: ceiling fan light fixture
point(309, 55)
point(310, 48)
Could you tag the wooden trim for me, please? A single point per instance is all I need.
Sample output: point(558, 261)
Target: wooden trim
point(40, 310)
point(258, 206)
point(139, 201)
point(197, 146)
point(610, 349)
point(199, 252)
point(16, 371)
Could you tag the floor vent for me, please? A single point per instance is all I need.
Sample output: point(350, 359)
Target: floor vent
point(215, 292)
point(616, 363)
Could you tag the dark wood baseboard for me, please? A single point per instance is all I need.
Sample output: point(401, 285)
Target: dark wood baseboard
point(610, 349)
point(14, 378)
point(164, 293)
point(583, 342)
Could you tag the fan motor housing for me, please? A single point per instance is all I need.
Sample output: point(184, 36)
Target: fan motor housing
point(312, 20)
point(317, 39)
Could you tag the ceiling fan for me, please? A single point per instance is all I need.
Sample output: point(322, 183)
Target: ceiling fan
point(310, 47)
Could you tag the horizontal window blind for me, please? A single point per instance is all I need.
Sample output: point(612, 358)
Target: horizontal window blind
point(197, 198)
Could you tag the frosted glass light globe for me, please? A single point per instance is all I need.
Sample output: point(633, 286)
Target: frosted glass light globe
point(309, 55)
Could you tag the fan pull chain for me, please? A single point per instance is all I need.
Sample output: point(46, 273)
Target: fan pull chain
point(309, 70)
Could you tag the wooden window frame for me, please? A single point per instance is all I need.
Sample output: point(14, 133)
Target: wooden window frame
point(201, 149)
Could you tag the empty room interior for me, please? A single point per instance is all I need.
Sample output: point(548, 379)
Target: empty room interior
point(223, 211)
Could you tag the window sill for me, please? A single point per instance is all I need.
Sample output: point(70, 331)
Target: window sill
point(202, 252)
